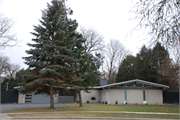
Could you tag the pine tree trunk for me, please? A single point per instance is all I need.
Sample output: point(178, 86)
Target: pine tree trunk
point(51, 96)
point(80, 99)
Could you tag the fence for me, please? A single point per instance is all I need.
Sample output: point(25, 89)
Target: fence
point(171, 97)
point(9, 96)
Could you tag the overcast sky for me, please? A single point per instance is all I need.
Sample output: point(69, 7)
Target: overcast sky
point(111, 18)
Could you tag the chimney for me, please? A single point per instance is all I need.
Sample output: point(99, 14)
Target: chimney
point(103, 81)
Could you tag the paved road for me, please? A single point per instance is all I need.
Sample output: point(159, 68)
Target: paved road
point(6, 107)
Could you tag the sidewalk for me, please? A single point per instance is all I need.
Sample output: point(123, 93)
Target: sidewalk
point(104, 112)
point(4, 116)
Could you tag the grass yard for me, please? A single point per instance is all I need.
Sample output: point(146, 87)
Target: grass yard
point(103, 107)
point(90, 114)
point(73, 110)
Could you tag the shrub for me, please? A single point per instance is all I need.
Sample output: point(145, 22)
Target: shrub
point(99, 102)
point(93, 98)
point(102, 102)
point(116, 102)
point(77, 101)
point(87, 102)
point(106, 102)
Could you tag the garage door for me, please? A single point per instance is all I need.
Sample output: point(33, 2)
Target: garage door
point(32, 98)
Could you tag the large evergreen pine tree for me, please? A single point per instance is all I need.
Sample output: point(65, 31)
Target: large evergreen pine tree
point(52, 59)
point(150, 61)
point(160, 55)
point(126, 69)
point(161, 62)
point(144, 66)
point(152, 65)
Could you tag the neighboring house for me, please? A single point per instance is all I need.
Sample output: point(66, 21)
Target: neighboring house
point(127, 92)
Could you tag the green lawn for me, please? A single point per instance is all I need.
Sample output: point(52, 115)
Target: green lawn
point(103, 107)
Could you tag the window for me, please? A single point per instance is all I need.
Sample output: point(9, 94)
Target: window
point(125, 95)
point(130, 84)
point(28, 95)
point(139, 84)
point(144, 95)
point(146, 85)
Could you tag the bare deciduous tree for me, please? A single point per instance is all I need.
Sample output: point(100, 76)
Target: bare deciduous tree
point(7, 69)
point(94, 41)
point(115, 52)
point(4, 62)
point(7, 38)
point(170, 75)
point(163, 19)
point(11, 70)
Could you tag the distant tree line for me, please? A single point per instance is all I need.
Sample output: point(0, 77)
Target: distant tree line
point(13, 81)
point(152, 65)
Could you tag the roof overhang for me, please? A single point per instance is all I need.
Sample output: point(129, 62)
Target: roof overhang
point(132, 81)
point(17, 87)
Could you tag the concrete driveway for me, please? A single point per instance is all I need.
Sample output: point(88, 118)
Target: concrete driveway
point(7, 107)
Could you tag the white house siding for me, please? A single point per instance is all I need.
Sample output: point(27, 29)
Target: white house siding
point(56, 98)
point(103, 94)
point(21, 98)
point(115, 95)
point(93, 93)
point(134, 96)
point(154, 96)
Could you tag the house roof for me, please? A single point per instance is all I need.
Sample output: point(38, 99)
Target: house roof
point(132, 81)
point(18, 87)
point(125, 82)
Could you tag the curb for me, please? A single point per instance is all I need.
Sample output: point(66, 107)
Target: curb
point(89, 118)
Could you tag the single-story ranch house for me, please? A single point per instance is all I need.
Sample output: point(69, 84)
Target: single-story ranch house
point(128, 92)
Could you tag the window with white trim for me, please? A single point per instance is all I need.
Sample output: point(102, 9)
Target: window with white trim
point(125, 95)
point(144, 95)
